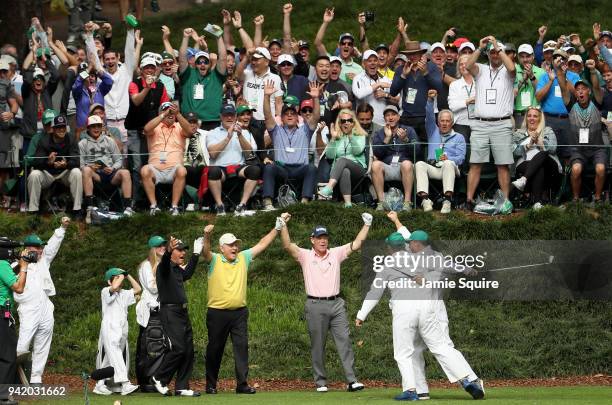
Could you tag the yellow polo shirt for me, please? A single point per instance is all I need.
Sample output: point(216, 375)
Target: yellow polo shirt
point(227, 281)
point(387, 72)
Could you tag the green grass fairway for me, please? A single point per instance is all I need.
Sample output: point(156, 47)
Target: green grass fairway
point(531, 396)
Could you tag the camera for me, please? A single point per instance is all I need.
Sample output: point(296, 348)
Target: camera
point(369, 16)
point(9, 250)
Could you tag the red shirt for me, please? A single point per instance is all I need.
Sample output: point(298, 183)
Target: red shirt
point(133, 90)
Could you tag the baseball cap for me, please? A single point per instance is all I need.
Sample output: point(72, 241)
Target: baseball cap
point(156, 241)
point(59, 121)
point(148, 61)
point(390, 107)
point(291, 100)
point(381, 46)
point(335, 59)
point(346, 35)
point(303, 44)
point(436, 45)
point(165, 105)
point(191, 52)
point(275, 41)
point(560, 52)
point(181, 245)
point(318, 231)
point(575, 58)
point(568, 49)
point(395, 239)
point(228, 109)
point(167, 56)
point(48, 116)
point(112, 272)
point(401, 57)
point(191, 117)
point(419, 235)
point(424, 46)
point(41, 51)
point(33, 240)
point(460, 41)
point(307, 103)
point(4, 65)
point(286, 58)
point(9, 58)
point(369, 53)
point(262, 52)
point(94, 120)
point(605, 33)
point(95, 106)
point(525, 48)
point(71, 48)
point(500, 46)
point(467, 44)
point(202, 54)
point(510, 47)
point(583, 82)
point(228, 239)
point(550, 46)
point(38, 72)
point(242, 108)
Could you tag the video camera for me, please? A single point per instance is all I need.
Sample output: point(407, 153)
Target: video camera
point(10, 250)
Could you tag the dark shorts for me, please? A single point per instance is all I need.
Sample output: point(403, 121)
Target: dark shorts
point(586, 155)
point(106, 178)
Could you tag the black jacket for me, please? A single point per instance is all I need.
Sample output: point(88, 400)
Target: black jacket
point(30, 99)
point(69, 147)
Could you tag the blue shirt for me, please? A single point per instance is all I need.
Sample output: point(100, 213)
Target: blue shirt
point(421, 84)
point(291, 145)
point(296, 86)
point(453, 143)
point(551, 103)
point(405, 150)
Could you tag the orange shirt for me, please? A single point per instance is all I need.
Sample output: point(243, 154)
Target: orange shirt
point(166, 146)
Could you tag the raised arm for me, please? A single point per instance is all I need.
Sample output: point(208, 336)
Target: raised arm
point(328, 17)
point(264, 242)
point(227, 29)
point(290, 247)
point(471, 64)
point(269, 91)
point(183, 63)
point(258, 35)
point(54, 243)
point(206, 250)
point(222, 60)
point(314, 91)
point(363, 233)
point(287, 8)
point(597, 93)
point(247, 42)
point(449, 33)
point(135, 286)
point(510, 66)
point(563, 83)
point(363, 39)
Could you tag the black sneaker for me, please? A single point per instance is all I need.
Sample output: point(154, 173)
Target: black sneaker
point(246, 390)
point(211, 390)
point(220, 210)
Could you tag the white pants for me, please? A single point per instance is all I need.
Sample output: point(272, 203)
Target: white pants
point(424, 171)
point(39, 180)
point(412, 318)
point(113, 343)
point(36, 326)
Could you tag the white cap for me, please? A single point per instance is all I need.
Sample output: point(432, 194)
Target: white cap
point(368, 53)
point(38, 72)
point(550, 46)
point(228, 239)
point(467, 45)
point(525, 48)
point(146, 61)
point(261, 52)
point(500, 46)
point(9, 59)
point(286, 58)
point(333, 59)
point(93, 120)
point(575, 58)
point(401, 57)
point(436, 45)
point(202, 54)
point(4, 65)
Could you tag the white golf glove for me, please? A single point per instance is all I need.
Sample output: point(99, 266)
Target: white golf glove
point(279, 224)
point(198, 244)
point(367, 218)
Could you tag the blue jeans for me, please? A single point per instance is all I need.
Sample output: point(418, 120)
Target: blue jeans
point(307, 173)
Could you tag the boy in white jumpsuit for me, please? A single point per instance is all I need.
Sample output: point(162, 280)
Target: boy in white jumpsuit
point(415, 312)
point(113, 343)
point(35, 308)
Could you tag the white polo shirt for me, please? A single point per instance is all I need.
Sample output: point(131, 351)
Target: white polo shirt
point(362, 90)
point(494, 92)
point(253, 91)
point(232, 154)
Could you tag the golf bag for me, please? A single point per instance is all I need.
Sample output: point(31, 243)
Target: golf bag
point(152, 347)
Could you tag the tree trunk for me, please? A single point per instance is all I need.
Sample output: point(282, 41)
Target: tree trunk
point(15, 18)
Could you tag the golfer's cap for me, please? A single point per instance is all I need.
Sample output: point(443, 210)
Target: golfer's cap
point(307, 103)
point(581, 81)
point(381, 46)
point(94, 120)
point(59, 121)
point(156, 241)
point(525, 48)
point(72, 49)
point(228, 239)
point(333, 59)
point(303, 44)
point(550, 46)
point(165, 105)
point(95, 106)
point(4, 65)
point(401, 56)
point(9, 58)
point(419, 236)
point(424, 46)
point(261, 52)
point(191, 117)
point(559, 52)
point(318, 231)
point(436, 45)
point(167, 56)
point(243, 108)
point(275, 41)
point(38, 73)
point(575, 58)
point(181, 245)
point(228, 109)
point(33, 240)
point(202, 54)
point(148, 61)
point(460, 41)
point(48, 116)
point(395, 239)
point(346, 35)
point(286, 58)
point(191, 52)
point(605, 33)
point(291, 100)
point(468, 45)
point(287, 107)
point(569, 49)
point(112, 272)
point(510, 47)
point(500, 46)
point(369, 53)
point(390, 107)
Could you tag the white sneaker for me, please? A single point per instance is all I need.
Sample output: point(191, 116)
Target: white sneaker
point(520, 183)
point(101, 389)
point(127, 388)
point(322, 388)
point(128, 212)
point(154, 210)
point(186, 393)
point(269, 207)
point(537, 206)
point(162, 389)
point(174, 211)
point(190, 207)
point(446, 207)
point(427, 205)
point(88, 215)
point(355, 386)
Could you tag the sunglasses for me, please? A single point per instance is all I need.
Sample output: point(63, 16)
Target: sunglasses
point(346, 121)
point(346, 43)
point(285, 64)
point(167, 64)
point(306, 110)
point(202, 62)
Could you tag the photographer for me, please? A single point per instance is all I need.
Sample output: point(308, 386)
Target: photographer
point(9, 283)
point(35, 308)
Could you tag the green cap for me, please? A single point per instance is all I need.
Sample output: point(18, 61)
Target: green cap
point(48, 115)
point(132, 21)
point(112, 272)
point(395, 239)
point(167, 55)
point(40, 51)
point(291, 100)
point(33, 240)
point(29, 32)
point(242, 108)
point(156, 241)
point(419, 236)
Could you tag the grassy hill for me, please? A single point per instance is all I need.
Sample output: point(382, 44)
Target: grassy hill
point(500, 339)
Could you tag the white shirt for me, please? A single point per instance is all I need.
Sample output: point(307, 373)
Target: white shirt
point(313, 145)
point(253, 91)
point(117, 100)
point(458, 92)
point(115, 309)
point(494, 92)
point(148, 299)
point(232, 154)
point(362, 90)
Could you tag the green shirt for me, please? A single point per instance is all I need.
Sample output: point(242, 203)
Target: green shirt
point(7, 279)
point(525, 97)
point(353, 149)
point(207, 105)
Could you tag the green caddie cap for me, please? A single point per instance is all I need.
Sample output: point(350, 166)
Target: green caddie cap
point(33, 240)
point(156, 241)
point(166, 55)
point(48, 115)
point(40, 51)
point(419, 236)
point(242, 108)
point(395, 239)
point(112, 272)
point(291, 100)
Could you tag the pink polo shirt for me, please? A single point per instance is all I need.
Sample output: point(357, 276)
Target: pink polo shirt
point(322, 274)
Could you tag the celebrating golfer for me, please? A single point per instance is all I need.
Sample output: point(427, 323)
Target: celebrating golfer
point(325, 310)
